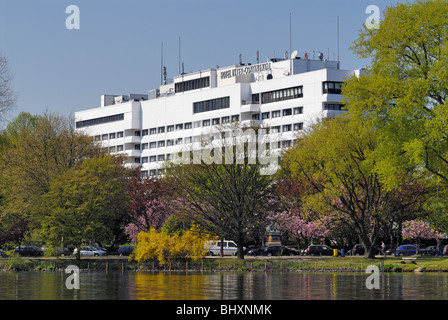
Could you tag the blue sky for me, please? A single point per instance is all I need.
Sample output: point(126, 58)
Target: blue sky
point(117, 49)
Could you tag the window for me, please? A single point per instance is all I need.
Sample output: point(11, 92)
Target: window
point(145, 132)
point(96, 121)
point(144, 159)
point(282, 94)
point(137, 160)
point(298, 126)
point(197, 124)
point(256, 116)
point(287, 112)
point(298, 110)
point(265, 115)
point(170, 142)
point(112, 136)
point(256, 98)
point(179, 126)
point(210, 105)
point(235, 118)
point(152, 159)
point(188, 139)
point(215, 121)
point(120, 134)
point(275, 129)
point(286, 144)
point(225, 119)
point(152, 172)
point(112, 149)
point(188, 125)
point(137, 147)
point(170, 128)
point(119, 148)
point(161, 130)
point(105, 137)
point(206, 123)
point(161, 144)
point(276, 114)
point(168, 156)
point(97, 138)
point(137, 133)
point(331, 87)
point(153, 131)
point(192, 84)
point(144, 146)
point(331, 106)
point(179, 141)
point(153, 145)
point(287, 127)
point(161, 157)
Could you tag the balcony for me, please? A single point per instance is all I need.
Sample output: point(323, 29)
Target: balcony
point(250, 106)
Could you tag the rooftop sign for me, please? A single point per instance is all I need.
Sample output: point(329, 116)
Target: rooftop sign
point(245, 70)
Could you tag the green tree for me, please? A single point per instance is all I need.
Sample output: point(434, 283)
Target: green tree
point(86, 202)
point(34, 151)
point(403, 91)
point(228, 197)
point(334, 165)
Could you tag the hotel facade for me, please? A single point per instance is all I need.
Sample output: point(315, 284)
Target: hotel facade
point(286, 95)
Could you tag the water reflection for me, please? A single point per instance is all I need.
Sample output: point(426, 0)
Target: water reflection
point(222, 286)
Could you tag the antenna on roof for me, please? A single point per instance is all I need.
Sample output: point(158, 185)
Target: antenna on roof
point(258, 57)
point(161, 64)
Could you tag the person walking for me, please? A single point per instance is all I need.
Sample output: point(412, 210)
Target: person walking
point(383, 248)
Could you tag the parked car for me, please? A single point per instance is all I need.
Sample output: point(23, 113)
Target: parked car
point(445, 250)
point(125, 250)
point(89, 252)
point(430, 251)
point(358, 250)
point(279, 251)
point(28, 251)
point(407, 250)
point(316, 250)
point(229, 248)
point(256, 251)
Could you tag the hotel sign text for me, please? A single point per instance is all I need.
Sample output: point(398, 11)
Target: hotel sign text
point(242, 71)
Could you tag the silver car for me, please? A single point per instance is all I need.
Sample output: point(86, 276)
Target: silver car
point(90, 252)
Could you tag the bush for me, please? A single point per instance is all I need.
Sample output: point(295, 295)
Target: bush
point(161, 246)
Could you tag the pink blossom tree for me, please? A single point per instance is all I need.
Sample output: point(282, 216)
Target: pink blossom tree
point(414, 229)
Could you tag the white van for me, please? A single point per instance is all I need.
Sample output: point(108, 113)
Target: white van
point(214, 248)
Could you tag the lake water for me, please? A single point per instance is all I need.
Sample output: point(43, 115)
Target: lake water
point(220, 286)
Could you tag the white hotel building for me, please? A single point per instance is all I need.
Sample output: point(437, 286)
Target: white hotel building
point(288, 95)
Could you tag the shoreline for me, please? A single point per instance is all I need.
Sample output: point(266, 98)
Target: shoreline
point(229, 264)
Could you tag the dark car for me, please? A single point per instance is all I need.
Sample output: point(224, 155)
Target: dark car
point(125, 250)
point(318, 250)
point(256, 251)
point(358, 250)
point(407, 250)
point(279, 251)
point(28, 251)
point(430, 251)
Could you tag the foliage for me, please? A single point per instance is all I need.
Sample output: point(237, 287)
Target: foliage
point(229, 197)
point(86, 202)
point(340, 183)
point(149, 205)
point(403, 92)
point(414, 229)
point(164, 247)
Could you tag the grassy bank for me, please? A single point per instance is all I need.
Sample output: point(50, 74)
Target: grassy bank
point(264, 264)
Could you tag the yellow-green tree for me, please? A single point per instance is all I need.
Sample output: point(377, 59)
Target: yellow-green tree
point(164, 247)
point(403, 92)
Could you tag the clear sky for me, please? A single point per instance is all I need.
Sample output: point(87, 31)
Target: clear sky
point(117, 49)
